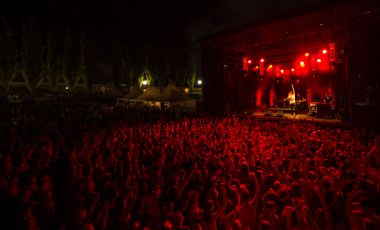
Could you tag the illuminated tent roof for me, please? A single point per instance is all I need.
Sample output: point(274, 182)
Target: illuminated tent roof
point(151, 94)
point(133, 92)
point(171, 93)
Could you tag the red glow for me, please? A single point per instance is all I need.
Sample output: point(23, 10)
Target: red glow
point(261, 67)
point(324, 51)
point(332, 52)
point(278, 71)
point(287, 72)
point(302, 64)
point(258, 97)
point(319, 60)
point(249, 61)
point(292, 69)
point(245, 63)
point(269, 67)
point(307, 54)
point(282, 71)
point(256, 67)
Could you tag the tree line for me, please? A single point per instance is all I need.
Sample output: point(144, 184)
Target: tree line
point(72, 59)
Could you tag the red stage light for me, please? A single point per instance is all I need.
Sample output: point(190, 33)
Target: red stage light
point(332, 52)
point(249, 61)
point(261, 67)
point(307, 54)
point(256, 67)
point(245, 63)
point(269, 67)
point(302, 64)
point(282, 71)
point(292, 69)
point(319, 60)
point(324, 51)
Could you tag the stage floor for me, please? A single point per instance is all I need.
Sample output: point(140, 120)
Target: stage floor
point(305, 117)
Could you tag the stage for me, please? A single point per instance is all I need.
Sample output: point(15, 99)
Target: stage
point(275, 116)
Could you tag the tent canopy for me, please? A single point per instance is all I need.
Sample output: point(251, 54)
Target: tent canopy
point(133, 92)
point(172, 94)
point(151, 94)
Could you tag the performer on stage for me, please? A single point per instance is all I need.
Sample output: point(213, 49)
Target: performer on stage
point(327, 99)
point(292, 99)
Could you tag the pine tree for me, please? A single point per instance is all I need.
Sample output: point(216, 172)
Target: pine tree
point(32, 54)
point(127, 73)
point(82, 73)
point(8, 55)
point(71, 59)
point(52, 61)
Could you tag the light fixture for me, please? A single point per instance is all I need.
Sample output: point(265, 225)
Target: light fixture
point(67, 88)
point(199, 82)
point(144, 82)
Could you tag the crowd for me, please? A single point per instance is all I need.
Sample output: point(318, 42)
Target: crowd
point(104, 167)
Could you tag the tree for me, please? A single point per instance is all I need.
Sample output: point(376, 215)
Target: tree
point(71, 59)
point(8, 55)
point(52, 61)
point(116, 59)
point(32, 54)
point(145, 75)
point(190, 74)
point(127, 73)
point(82, 72)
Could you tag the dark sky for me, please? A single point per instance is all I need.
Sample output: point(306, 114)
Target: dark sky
point(145, 19)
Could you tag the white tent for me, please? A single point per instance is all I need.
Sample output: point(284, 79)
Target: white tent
point(172, 94)
point(150, 94)
point(133, 92)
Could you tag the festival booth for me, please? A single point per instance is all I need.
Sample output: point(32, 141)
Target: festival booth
point(150, 96)
point(133, 92)
point(175, 100)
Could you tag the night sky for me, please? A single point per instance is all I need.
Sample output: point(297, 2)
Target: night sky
point(145, 20)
